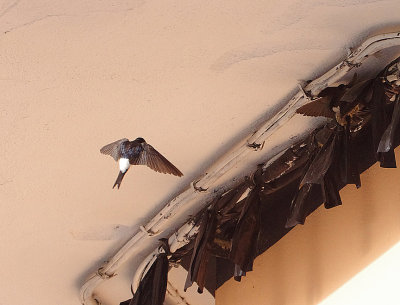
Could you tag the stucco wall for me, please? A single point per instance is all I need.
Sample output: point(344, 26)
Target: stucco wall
point(314, 260)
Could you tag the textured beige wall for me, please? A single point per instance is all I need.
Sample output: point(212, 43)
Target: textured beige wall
point(314, 260)
point(191, 77)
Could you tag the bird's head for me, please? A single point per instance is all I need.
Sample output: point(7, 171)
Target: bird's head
point(140, 140)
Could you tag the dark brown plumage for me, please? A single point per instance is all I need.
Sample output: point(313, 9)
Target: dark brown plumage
point(339, 102)
point(138, 152)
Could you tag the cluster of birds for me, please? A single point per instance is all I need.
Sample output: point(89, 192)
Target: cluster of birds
point(137, 152)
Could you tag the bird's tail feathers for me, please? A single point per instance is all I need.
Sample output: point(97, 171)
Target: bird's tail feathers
point(119, 179)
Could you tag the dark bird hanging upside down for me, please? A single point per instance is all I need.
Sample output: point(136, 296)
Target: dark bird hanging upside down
point(137, 152)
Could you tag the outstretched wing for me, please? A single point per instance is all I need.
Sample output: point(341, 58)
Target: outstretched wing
point(355, 91)
point(113, 149)
point(156, 161)
point(319, 107)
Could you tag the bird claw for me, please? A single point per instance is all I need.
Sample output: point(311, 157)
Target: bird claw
point(103, 274)
point(148, 232)
point(256, 146)
point(350, 64)
point(306, 95)
point(198, 188)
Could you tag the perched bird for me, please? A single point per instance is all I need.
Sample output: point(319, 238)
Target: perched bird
point(137, 152)
point(339, 102)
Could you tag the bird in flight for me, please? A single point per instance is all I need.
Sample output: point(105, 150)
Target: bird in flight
point(137, 152)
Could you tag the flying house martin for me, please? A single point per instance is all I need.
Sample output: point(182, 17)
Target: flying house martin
point(137, 152)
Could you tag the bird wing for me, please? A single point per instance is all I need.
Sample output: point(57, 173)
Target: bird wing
point(156, 161)
point(354, 92)
point(113, 149)
point(319, 107)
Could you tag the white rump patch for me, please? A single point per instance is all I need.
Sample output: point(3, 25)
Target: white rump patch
point(123, 164)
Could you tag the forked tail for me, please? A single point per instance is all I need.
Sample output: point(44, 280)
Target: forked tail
point(119, 179)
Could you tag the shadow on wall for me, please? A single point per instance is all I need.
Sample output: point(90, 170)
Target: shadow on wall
point(314, 260)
